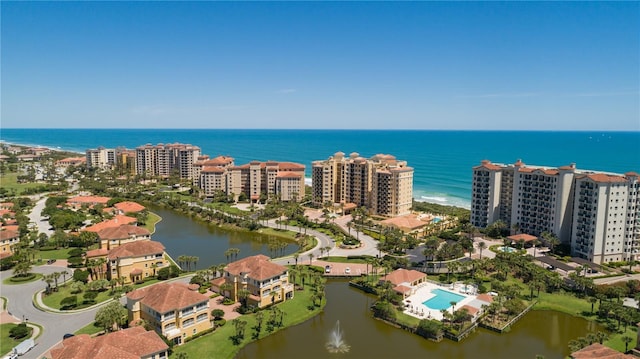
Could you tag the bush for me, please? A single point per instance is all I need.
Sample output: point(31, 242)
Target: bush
point(76, 252)
point(228, 301)
point(198, 335)
point(90, 297)
point(19, 331)
point(169, 272)
point(26, 278)
point(75, 262)
point(81, 275)
point(48, 248)
point(219, 322)
point(69, 302)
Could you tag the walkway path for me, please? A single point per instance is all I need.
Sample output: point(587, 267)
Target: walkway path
point(37, 219)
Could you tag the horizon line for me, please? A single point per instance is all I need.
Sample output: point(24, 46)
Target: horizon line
point(319, 129)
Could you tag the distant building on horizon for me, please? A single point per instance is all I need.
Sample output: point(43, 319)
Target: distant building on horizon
point(382, 184)
point(166, 159)
point(596, 213)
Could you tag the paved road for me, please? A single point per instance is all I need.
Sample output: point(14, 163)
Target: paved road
point(55, 326)
point(36, 218)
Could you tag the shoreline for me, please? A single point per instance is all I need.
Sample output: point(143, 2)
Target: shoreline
point(419, 195)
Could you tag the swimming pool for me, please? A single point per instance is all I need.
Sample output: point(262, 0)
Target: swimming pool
point(507, 249)
point(443, 299)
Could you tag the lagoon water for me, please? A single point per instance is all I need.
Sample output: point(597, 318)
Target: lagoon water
point(538, 332)
point(442, 159)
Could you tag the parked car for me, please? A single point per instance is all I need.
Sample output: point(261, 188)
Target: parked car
point(327, 269)
point(347, 270)
point(67, 336)
point(51, 261)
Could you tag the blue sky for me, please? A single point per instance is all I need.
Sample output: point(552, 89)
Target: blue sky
point(356, 65)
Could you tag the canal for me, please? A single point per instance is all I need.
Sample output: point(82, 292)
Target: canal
point(182, 235)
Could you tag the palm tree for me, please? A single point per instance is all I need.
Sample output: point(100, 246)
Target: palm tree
point(626, 340)
point(228, 253)
point(296, 256)
point(481, 245)
point(310, 257)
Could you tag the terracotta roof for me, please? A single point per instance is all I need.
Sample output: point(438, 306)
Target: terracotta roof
point(258, 267)
point(290, 174)
point(217, 282)
point(4, 255)
point(97, 252)
point(402, 275)
point(522, 236)
point(409, 221)
point(115, 222)
point(632, 174)
point(136, 271)
point(89, 199)
point(122, 232)
point(8, 234)
point(597, 350)
point(602, 177)
point(485, 298)
point(132, 343)
point(218, 161)
point(488, 165)
point(547, 171)
point(11, 227)
point(136, 249)
point(6, 211)
point(470, 309)
point(6, 204)
point(129, 207)
point(164, 297)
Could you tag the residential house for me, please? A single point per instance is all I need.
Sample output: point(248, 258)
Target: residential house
point(597, 350)
point(176, 310)
point(8, 239)
point(131, 343)
point(128, 207)
point(405, 281)
point(136, 260)
point(116, 221)
point(112, 237)
point(266, 282)
point(89, 201)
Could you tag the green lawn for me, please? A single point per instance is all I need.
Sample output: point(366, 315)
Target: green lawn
point(282, 233)
point(62, 253)
point(9, 181)
point(218, 345)
point(344, 260)
point(90, 329)
point(53, 300)
point(152, 220)
point(4, 303)
point(8, 281)
point(7, 343)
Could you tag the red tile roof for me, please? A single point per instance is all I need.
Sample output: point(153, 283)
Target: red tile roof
point(136, 249)
point(402, 275)
point(127, 206)
point(258, 267)
point(602, 177)
point(485, 298)
point(122, 232)
point(131, 343)
point(522, 236)
point(597, 350)
point(488, 165)
point(290, 174)
point(164, 297)
point(8, 234)
point(89, 199)
point(470, 309)
point(212, 169)
point(100, 252)
point(115, 222)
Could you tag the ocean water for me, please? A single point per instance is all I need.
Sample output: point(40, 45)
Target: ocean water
point(442, 160)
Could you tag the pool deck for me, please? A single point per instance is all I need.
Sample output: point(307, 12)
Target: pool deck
point(415, 308)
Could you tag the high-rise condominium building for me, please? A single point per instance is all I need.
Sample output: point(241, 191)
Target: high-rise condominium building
point(381, 183)
point(597, 214)
point(166, 159)
point(101, 158)
point(255, 179)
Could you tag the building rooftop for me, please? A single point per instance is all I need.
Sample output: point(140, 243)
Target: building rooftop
point(164, 297)
point(127, 206)
point(402, 275)
point(131, 343)
point(597, 350)
point(257, 267)
point(115, 222)
point(89, 199)
point(136, 249)
point(122, 232)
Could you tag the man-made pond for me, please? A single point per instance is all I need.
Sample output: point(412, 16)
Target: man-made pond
point(182, 235)
point(540, 332)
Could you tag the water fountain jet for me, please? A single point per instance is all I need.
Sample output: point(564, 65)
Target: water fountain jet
point(336, 343)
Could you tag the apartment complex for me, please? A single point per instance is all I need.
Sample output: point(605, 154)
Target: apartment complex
point(265, 281)
point(113, 237)
point(102, 158)
point(254, 181)
point(166, 159)
point(597, 213)
point(176, 310)
point(135, 260)
point(381, 183)
point(8, 240)
point(130, 343)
